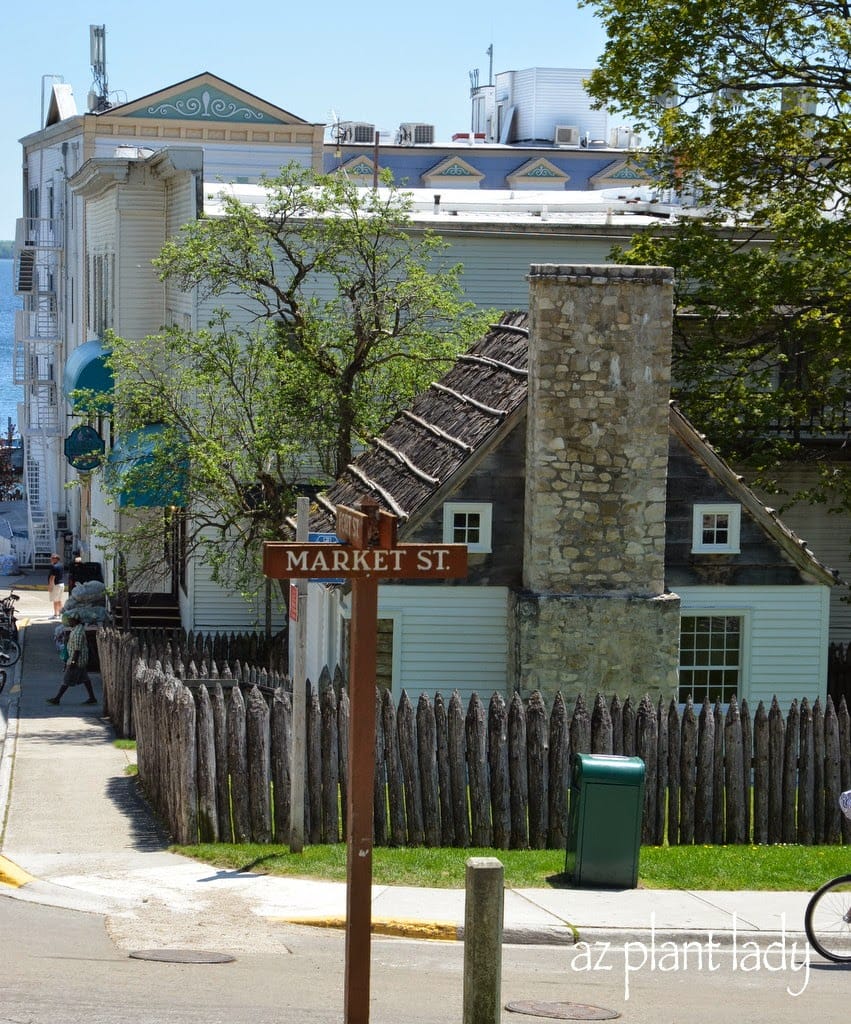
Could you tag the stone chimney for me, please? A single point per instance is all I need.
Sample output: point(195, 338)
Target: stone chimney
point(594, 616)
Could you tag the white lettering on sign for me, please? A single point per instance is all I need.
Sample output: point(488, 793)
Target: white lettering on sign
point(326, 561)
point(296, 560)
point(430, 560)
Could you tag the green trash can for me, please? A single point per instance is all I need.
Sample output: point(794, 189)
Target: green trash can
point(604, 821)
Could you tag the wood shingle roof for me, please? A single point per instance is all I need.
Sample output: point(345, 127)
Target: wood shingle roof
point(424, 447)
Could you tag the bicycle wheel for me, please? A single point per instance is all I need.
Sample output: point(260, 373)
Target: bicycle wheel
point(827, 920)
point(10, 651)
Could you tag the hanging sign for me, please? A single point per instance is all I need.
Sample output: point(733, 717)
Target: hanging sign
point(84, 448)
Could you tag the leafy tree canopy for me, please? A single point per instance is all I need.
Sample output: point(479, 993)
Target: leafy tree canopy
point(746, 110)
point(331, 312)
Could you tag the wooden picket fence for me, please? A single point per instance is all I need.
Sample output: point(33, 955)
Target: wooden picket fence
point(182, 654)
point(213, 752)
point(839, 672)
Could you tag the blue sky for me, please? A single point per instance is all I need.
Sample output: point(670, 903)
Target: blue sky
point(383, 65)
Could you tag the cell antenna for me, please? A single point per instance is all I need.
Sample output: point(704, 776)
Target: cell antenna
point(99, 92)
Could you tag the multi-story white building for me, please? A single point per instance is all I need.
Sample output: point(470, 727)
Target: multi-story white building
point(95, 201)
point(104, 189)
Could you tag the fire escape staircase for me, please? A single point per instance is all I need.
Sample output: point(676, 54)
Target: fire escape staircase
point(36, 358)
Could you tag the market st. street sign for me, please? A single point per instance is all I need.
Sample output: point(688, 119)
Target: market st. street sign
point(332, 561)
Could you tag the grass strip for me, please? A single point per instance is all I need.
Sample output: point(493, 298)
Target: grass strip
point(727, 868)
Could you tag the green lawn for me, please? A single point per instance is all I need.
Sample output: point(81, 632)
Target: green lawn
point(660, 867)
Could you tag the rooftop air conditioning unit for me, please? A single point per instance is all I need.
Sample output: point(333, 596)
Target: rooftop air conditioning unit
point(566, 135)
point(356, 131)
point(412, 133)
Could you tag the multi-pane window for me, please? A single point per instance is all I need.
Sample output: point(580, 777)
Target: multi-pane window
point(716, 529)
point(711, 657)
point(468, 523)
point(466, 527)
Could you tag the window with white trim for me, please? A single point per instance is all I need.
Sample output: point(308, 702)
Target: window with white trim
point(711, 657)
point(716, 528)
point(466, 522)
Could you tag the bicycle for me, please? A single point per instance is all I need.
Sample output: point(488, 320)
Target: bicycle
point(10, 649)
point(827, 920)
point(7, 612)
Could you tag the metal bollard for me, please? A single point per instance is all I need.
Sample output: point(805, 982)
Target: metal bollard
point(483, 915)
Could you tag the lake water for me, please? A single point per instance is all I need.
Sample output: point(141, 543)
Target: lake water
point(10, 394)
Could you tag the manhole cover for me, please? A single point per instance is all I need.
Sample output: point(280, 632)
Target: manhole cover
point(563, 1011)
point(182, 956)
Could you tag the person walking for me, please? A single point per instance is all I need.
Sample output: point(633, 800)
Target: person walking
point(56, 584)
point(78, 659)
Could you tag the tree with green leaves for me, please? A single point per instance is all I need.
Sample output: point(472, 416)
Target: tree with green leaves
point(331, 310)
point(746, 110)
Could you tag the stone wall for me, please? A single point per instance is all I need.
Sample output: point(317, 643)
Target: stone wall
point(593, 614)
point(594, 644)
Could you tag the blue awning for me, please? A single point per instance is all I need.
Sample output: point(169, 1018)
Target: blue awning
point(86, 370)
point(142, 479)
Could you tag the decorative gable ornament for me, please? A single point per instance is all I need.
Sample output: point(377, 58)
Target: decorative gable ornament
point(360, 169)
point(207, 103)
point(539, 174)
point(621, 172)
point(455, 172)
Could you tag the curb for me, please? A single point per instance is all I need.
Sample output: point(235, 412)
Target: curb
point(9, 737)
point(558, 935)
point(443, 931)
point(11, 874)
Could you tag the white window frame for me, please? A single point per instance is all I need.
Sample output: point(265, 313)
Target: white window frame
point(734, 513)
point(744, 617)
point(484, 509)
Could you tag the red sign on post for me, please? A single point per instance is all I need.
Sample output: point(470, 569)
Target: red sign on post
point(364, 565)
point(293, 602)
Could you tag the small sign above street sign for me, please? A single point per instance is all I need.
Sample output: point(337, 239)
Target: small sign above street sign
point(353, 527)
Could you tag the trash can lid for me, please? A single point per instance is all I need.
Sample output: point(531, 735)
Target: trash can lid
point(611, 768)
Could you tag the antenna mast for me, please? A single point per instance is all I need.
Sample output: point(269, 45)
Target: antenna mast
point(99, 92)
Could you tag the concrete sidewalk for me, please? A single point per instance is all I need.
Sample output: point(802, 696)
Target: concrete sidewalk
point(74, 833)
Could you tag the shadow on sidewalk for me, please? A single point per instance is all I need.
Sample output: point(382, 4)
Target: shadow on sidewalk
point(72, 726)
point(146, 832)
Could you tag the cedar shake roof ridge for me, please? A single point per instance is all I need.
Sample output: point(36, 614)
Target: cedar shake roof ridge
point(430, 448)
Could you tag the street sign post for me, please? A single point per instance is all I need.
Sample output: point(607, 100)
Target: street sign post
point(370, 554)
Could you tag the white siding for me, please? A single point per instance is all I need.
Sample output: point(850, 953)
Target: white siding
point(495, 271)
point(827, 534)
point(101, 223)
point(786, 637)
point(325, 631)
point(214, 608)
point(141, 309)
point(228, 161)
point(448, 638)
point(545, 97)
point(101, 512)
point(181, 204)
